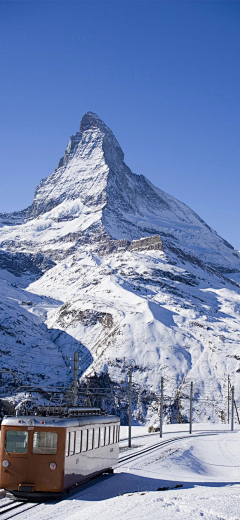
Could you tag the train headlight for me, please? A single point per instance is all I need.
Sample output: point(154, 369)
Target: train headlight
point(52, 465)
point(5, 463)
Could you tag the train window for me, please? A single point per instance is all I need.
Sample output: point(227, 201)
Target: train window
point(16, 441)
point(118, 437)
point(78, 442)
point(107, 436)
point(72, 443)
point(96, 437)
point(102, 436)
point(84, 440)
point(45, 443)
point(90, 439)
point(111, 434)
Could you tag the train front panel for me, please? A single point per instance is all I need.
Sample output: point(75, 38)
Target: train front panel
point(32, 458)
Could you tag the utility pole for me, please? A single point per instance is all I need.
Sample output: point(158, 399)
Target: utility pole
point(228, 397)
point(69, 395)
point(161, 407)
point(75, 379)
point(232, 425)
point(236, 411)
point(191, 397)
point(130, 410)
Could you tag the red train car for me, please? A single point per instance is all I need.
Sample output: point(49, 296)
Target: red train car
point(45, 457)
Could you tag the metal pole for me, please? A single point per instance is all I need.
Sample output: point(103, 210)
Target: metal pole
point(232, 425)
point(75, 381)
point(161, 407)
point(228, 397)
point(69, 395)
point(236, 411)
point(130, 411)
point(191, 396)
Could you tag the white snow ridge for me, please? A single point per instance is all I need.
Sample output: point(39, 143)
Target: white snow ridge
point(105, 263)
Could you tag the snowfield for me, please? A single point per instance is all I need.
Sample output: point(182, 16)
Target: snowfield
point(199, 502)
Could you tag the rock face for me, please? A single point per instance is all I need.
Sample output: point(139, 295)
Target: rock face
point(106, 263)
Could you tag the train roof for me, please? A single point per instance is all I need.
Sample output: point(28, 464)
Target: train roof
point(58, 422)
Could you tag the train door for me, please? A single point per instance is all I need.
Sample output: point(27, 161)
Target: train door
point(15, 457)
point(46, 459)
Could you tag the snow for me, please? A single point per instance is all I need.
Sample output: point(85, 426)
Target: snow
point(171, 312)
point(213, 503)
point(155, 328)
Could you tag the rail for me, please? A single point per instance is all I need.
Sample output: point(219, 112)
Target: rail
point(159, 445)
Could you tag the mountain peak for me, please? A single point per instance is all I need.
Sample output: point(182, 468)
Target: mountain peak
point(93, 188)
point(90, 121)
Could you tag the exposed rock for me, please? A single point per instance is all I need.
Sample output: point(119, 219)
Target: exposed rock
point(147, 244)
point(22, 263)
point(71, 316)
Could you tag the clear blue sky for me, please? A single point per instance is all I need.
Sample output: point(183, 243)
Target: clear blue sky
point(164, 76)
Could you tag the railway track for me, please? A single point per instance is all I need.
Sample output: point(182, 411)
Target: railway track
point(7, 510)
point(158, 435)
point(12, 509)
point(140, 436)
point(141, 453)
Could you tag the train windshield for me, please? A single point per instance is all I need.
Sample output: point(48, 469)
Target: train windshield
point(16, 441)
point(45, 443)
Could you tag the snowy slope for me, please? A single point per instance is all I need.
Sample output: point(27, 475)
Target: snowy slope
point(131, 276)
point(38, 355)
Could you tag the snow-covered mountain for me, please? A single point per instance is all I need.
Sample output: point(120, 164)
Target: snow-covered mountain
point(106, 263)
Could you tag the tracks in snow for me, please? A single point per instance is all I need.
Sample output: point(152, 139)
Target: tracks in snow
point(143, 452)
point(8, 510)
